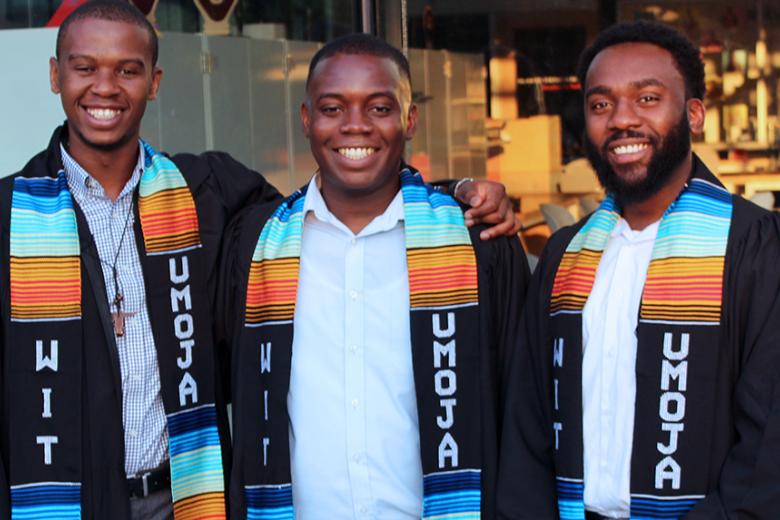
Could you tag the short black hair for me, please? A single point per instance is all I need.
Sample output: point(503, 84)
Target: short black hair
point(112, 11)
point(361, 44)
point(685, 54)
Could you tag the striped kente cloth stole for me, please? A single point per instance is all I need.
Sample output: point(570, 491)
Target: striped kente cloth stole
point(45, 359)
point(677, 353)
point(445, 352)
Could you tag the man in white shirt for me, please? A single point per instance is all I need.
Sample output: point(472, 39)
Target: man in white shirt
point(368, 325)
point(645, 386)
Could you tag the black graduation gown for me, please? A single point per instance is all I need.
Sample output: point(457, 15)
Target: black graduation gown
point(220, 186)
point(502, 277)
point(742, 454)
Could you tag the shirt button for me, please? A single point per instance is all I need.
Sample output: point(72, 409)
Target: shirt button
point(353, 349)
point(356, 458)
point(353, 241)
point(353, 295)
point(354, 403)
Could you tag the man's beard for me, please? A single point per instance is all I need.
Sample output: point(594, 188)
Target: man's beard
point(666, 158)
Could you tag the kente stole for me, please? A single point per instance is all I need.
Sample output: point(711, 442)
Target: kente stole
point(45, 359)
point(677, 354)
point(444, 324)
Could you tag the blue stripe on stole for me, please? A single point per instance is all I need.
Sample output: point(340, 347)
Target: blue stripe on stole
point(43, 195)
point(43, 204)
point(281, 236)
point(415, 190)
point(646, 507)
point(595, 232)
point(194, 440)
point(195, 451)
point(698, 204)
point(699, 186)
point(194, 430)
point(570, 498)
point(45, 501)
point(192, 419)
point(45, 187)
point(456, 494)
point(269, 502)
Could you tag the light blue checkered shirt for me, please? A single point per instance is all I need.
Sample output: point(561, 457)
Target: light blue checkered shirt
point(143, 415)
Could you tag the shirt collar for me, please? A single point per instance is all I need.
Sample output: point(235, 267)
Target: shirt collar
point(315, 206)
point(635, 236)
point(82, 184)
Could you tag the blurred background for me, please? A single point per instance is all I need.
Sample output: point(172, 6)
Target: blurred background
point(494, 80)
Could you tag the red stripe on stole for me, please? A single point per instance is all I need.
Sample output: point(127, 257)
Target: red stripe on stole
point(448, 278)
point(581, 279)
point(282, 293)
point(173, 225)
point(183, 207)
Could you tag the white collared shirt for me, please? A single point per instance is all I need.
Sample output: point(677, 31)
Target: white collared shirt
point(609, 323)
point(354, 435)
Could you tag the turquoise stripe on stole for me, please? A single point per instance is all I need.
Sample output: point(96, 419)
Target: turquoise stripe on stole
point(46, 500)
point(696, 225)
point(43, 204)
point(196, 454)
point(281, 236)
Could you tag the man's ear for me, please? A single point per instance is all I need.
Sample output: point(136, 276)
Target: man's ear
point(305, 118)
point(411, 122)
point(54, 75)
point(696, 111)
point(156, 78)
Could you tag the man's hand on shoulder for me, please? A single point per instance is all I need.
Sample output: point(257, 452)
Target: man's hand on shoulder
point(489, 205)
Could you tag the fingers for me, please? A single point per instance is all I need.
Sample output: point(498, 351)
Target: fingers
point(485, 204)
point(509, 226)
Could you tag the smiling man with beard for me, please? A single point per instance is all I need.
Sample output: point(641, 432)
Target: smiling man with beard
point(646, 386)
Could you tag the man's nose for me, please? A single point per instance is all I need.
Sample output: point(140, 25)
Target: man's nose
point(105, 83)
point(624, 115)
point(356, 121)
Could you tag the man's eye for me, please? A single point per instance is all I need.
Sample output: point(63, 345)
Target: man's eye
point(381, 109)
point(330, 109)
point(598, 105)
point(128, 72)
point(648, 99)
point(84, 68)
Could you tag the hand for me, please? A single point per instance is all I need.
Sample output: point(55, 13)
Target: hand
point(489, 205)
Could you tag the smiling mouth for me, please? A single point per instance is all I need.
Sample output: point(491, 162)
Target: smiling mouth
point(627, 149)
point(356, 154)
point(103, 114)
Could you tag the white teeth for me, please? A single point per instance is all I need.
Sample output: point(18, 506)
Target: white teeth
point(629, 148)
point(103, 113)
point(356, 153)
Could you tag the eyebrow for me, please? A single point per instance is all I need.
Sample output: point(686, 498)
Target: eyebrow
point(136, 61)
point(339, 95)
point(640, 84)
point(648, 82)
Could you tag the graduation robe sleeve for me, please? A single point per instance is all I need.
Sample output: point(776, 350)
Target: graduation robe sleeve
point(503, 281)
point(748, 485)
point(526, 481)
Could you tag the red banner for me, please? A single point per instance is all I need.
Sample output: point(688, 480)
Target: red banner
point(62, 12)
